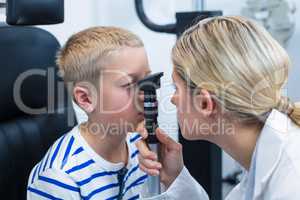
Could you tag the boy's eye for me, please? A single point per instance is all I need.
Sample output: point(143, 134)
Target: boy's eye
point(129, 85)
point(126, 85)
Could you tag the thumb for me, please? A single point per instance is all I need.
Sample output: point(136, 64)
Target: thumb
point(167, 140)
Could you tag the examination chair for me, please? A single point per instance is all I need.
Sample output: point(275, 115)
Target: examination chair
point(34, 107)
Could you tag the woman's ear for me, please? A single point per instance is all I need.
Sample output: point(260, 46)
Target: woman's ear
point(85, 97)
point(204, 102)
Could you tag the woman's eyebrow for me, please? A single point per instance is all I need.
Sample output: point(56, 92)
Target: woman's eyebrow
point(172, 76)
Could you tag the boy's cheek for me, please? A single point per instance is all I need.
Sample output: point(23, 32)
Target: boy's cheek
point(120, 105)
point(127, 101)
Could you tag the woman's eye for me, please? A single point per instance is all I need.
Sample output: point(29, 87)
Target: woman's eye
point(174, 86)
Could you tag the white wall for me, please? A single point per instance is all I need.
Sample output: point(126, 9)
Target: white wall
point(293, 50)
point(78, 15)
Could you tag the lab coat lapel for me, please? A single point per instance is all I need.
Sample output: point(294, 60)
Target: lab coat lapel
point(269, 149)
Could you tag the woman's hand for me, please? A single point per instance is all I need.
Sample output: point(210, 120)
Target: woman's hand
point(170, 161)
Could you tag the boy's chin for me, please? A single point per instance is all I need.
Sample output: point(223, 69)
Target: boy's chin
point(131, 124)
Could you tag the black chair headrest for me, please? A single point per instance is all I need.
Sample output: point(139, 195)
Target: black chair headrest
point(27, 61)
point(34, 12)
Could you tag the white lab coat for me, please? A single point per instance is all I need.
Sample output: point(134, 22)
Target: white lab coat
point(274, 172)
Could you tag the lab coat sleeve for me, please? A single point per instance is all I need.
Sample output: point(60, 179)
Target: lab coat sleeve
point(184, 186)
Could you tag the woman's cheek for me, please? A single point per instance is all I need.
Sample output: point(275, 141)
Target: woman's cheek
point(188, 124)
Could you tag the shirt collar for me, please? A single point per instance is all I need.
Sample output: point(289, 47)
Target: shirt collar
point(101, 162)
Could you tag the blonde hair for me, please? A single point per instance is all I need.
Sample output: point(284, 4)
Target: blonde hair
point(85, 53)
point(239, 62)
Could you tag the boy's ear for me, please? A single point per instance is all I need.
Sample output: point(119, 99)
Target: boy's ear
point(204, 102)
point(85, 96)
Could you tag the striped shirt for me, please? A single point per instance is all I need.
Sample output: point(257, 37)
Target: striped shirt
point(71, 169)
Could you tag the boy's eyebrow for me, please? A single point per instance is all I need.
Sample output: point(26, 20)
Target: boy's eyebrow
point(148, 72)
point(136, 75)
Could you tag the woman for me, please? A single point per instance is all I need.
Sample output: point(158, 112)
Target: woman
point(230, 70)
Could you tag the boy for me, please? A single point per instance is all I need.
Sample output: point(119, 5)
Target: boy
point(96, 160)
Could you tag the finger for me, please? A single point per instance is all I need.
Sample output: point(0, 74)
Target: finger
point(167, 140)
point(151, 172)
point(144, 133)
point(150, 164)
point(144, 150)
point(142, 130)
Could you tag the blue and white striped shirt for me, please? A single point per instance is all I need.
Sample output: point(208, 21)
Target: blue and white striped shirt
point(71, 169)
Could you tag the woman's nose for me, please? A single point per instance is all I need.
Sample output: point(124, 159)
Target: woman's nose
point(173, 99)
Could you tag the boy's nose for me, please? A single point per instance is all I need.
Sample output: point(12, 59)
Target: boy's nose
point(141, 96)
point(139, 102)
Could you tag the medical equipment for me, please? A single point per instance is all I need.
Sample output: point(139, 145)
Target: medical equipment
point(149, 85)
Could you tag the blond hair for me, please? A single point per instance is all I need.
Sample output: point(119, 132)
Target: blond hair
point(239, 62)
point(86, 52)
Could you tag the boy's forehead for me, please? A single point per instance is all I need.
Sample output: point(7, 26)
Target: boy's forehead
point(129, 61)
